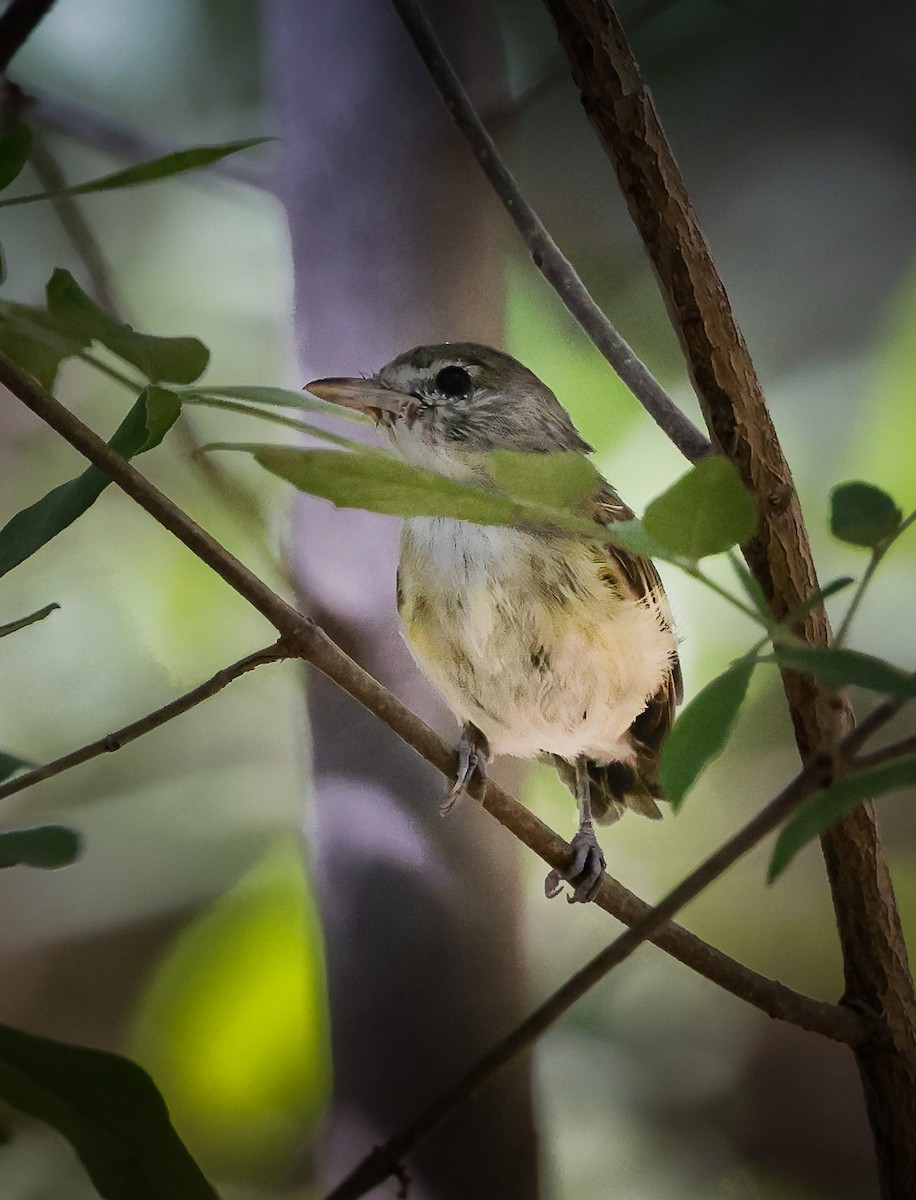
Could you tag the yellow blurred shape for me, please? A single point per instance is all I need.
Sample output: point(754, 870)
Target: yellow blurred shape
point(233, 1027)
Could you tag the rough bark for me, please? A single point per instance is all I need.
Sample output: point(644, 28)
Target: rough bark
point(390, 250)
point(877, 976)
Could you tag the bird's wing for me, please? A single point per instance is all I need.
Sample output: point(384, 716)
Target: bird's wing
point(639, 576)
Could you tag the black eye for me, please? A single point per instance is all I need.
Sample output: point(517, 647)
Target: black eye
point(453, 381)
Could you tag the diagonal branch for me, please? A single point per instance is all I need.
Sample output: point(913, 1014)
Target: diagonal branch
point(547, 256)
point(152, 720)
point(386, 1159)
point(302, 637)
point(17, 24)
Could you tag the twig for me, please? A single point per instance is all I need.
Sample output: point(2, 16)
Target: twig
point(17, 24)
point(548, 258)
point(301, 636)
point(378, 1165)
point(74, 224)
point(114, 741)
point(885, 754)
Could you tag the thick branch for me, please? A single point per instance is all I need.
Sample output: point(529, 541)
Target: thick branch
point(548, 258)
point(17, 24)
point(301, 636)
point(874, 953)
point(114, 741)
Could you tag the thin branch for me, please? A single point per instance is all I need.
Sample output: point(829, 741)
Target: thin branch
point(383, 1161)
point(153, 720)
point(548, 258)
point(74, 223)
point(885, 754)
point(17, 24)
point(303, 637)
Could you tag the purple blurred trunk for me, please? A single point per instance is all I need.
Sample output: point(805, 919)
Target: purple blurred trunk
point(393, 247)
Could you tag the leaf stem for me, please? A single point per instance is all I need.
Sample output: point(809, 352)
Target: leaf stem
point(693, 570)
point(877, 554)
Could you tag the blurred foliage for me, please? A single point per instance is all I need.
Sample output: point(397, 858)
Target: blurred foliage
point(191, 824)
point(234, 1025)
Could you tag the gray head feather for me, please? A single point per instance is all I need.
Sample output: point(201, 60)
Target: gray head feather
point(473, 398)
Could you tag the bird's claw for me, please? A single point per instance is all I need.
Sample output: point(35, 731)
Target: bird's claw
point(585, 872)
point(473, 756)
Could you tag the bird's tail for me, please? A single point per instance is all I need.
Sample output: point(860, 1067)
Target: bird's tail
point(617, 786)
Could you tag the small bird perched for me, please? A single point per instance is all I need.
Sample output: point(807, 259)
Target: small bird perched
point(542, 645)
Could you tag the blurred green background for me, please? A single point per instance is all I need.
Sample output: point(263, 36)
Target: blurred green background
point(187, 935)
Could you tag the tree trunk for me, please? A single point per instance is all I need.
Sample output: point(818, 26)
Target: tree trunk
point(392, 248)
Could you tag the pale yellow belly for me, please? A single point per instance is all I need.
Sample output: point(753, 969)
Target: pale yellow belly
point(523, 637)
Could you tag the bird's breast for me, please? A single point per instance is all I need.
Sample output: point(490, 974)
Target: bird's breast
point(525, 636)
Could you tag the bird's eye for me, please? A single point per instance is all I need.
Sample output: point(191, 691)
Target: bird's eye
point(453, 381)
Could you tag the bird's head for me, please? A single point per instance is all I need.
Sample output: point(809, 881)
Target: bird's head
point(445, 404)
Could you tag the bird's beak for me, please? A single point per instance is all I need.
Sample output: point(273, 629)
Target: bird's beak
point(365, 395)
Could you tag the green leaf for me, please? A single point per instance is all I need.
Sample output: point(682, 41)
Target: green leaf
point(632, 535)
point(110, 1111)
point(144, 427)
point(10, 764)
point(862, 514)
point(705, 512)
point(701, 731)
point(841, 668)
point(169, 359)
point(819, 813)
point(32, 339)
point(374, 480)
point(282, 398)
point(15, 148)
point(158, 168)
point(380, 483)
point(561, 480)
point(47, 846)
point(23, 622)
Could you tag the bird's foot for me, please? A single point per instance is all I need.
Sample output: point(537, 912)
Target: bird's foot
point(473, 756)
point(585, 872)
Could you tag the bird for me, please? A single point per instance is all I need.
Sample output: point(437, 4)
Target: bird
point(544, 646)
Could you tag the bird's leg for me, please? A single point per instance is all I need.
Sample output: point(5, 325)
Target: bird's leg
point(473, 756)
point(586, 867)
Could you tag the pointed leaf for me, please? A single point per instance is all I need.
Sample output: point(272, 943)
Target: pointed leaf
point(47, 846)
point(15, 148)
point(23, 622)
point(169, 359)
point(110, 1111)
point(32, 339)
point(841, 668)
point(862, 514)
point(380, 483)
point(561, 480)
point(818, 814)
point(10, 764)
point(158, 168)
point(701, 731)
point(144, 427)
point(705, 512)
